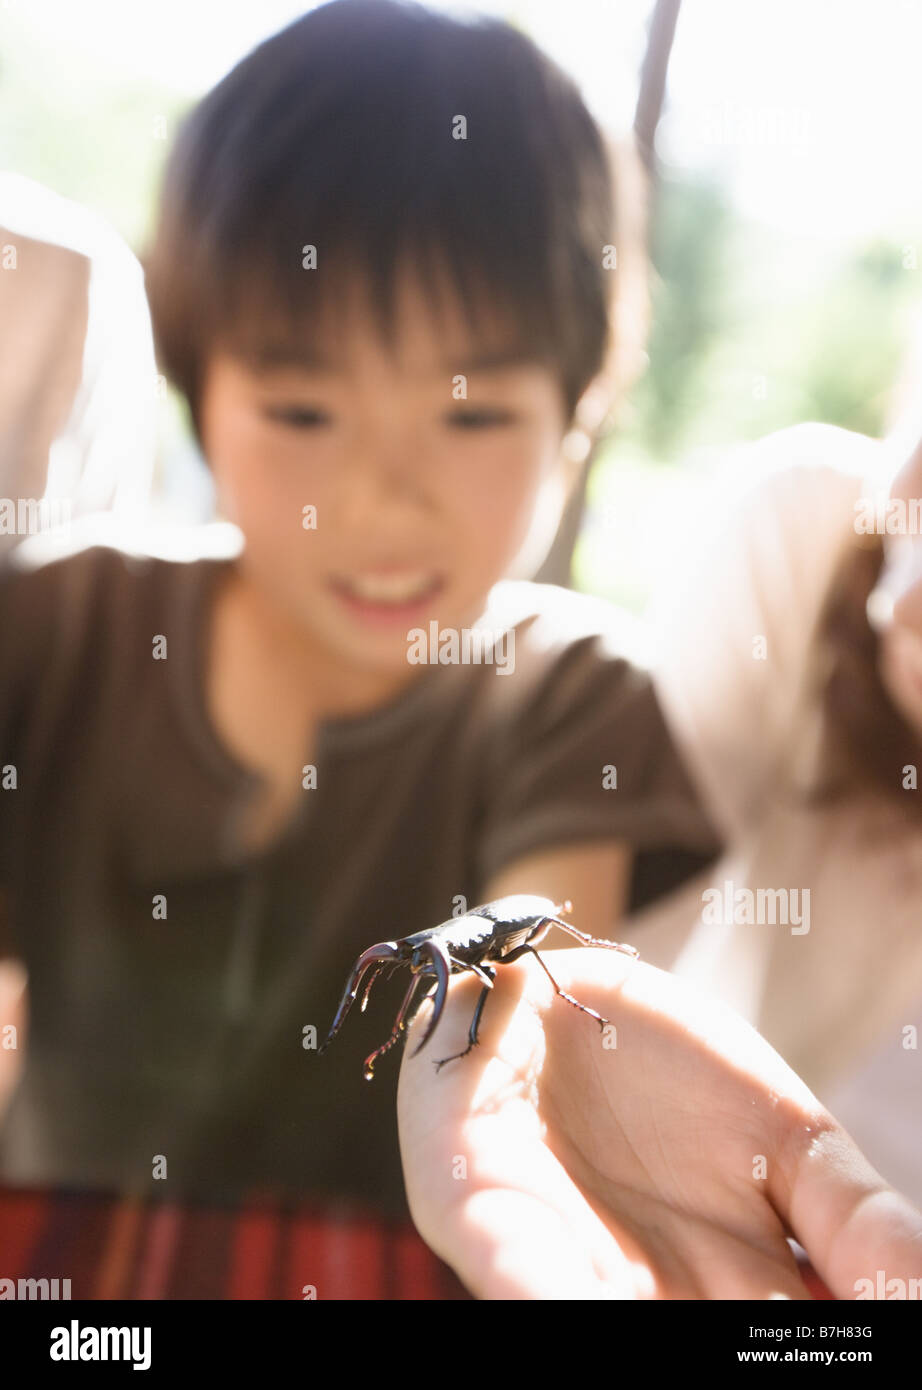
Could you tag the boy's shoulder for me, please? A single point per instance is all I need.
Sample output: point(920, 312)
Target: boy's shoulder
point(96, 550)
point(556, 614)
point(552, 623)
point(91, 586)
point(106, 541)
point(574, 675)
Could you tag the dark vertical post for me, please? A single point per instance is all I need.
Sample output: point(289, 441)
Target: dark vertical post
point(557, 567)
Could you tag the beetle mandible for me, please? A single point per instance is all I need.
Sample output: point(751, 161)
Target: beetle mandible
point(500, 931)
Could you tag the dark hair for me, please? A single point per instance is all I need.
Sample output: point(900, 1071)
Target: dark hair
point(866, 741)
point(337, 132)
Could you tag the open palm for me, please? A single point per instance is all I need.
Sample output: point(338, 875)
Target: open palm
point(667, 1157)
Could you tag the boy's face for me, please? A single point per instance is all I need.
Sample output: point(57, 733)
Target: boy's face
point(422, 500)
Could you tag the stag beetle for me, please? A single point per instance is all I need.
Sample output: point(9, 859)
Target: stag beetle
point(501, 931)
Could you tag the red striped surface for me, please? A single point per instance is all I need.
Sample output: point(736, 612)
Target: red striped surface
point(125, 1247)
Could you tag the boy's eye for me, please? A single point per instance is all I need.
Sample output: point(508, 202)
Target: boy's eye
point(298, 417)
point(306, 417)
point(480, 419)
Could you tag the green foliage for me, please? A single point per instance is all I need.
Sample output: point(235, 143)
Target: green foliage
point(89, 136)
point(754, 331)
point(690, 301)
point(854, 339)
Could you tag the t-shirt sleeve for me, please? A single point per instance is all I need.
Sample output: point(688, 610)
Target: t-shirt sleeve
point(580, 749)
point(734, 620)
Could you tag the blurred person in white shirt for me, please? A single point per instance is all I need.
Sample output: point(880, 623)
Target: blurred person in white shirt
point(78, 380)
point(789, 663)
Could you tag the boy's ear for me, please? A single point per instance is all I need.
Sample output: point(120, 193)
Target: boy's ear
point(574, 450)
point(591, 419)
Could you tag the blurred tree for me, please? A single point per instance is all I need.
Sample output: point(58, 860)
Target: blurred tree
point(854, 339)
point(691, 296)
point(558, 565)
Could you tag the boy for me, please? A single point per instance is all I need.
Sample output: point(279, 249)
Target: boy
point(379, 279)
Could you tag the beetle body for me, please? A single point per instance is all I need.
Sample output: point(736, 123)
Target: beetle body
point(490, 932)
point(495, 933)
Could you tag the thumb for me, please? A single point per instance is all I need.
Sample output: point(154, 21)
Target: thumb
point(863, 1237)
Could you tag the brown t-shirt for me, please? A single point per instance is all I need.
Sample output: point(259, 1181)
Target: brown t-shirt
point(170, 979)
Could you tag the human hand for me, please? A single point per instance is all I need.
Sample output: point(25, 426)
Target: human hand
point(549, 1164)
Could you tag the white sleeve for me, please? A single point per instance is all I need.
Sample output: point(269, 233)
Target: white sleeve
point(733, 621)
point(103, 456)
point(112, 431)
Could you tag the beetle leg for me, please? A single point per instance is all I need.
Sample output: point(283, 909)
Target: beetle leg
point(384, 951)
point(594, 940)
point(484, 973)
point(562, 992)
point(472, 1038)
point(399, 1026)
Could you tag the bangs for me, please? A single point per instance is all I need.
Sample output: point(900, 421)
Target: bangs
point(276, 317)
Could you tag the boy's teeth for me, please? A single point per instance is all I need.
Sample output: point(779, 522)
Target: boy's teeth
point(391, 588)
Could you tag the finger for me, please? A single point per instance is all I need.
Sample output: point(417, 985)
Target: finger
point(863, 1237)
point(484, 1190)
point(515, 1246)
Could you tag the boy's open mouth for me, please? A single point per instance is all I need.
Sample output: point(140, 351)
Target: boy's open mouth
point(399, 593)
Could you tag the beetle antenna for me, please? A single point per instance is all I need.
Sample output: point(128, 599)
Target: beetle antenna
point(399, 1026)
point(375, 973)
point(586, 940)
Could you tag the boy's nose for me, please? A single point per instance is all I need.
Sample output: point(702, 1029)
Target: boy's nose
point(372, 488)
